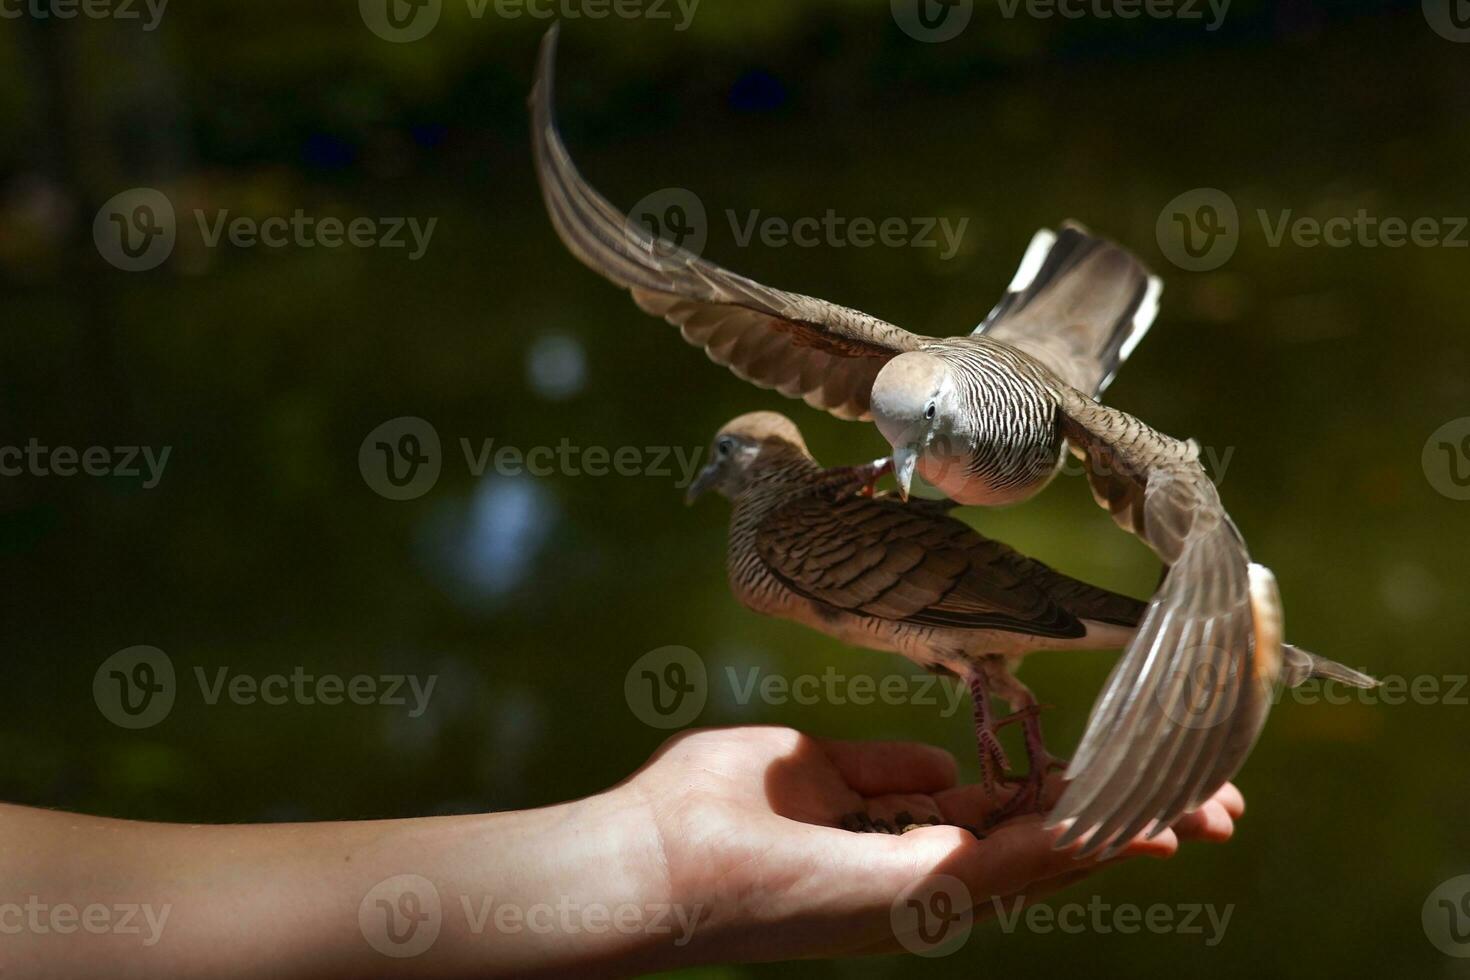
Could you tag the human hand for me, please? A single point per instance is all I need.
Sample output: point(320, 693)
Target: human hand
point(748, 822)
point(724, 847)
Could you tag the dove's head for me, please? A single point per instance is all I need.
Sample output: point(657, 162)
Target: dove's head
point(740, 446)
point(916, 407)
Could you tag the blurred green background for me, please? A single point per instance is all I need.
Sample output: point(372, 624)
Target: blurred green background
point(1324, 371)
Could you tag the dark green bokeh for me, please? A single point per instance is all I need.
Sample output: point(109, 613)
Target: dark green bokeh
point(1322, 371)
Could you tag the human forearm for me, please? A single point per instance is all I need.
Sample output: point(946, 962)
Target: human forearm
point(513, 892)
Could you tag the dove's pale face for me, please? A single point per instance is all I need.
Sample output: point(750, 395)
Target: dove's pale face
point(914, 406)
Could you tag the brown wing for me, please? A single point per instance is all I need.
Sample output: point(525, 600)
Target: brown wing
point(1185, 704)
point(802, 347)
point(882, 558)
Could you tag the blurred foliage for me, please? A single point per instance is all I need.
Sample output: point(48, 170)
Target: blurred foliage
point(1323, 370)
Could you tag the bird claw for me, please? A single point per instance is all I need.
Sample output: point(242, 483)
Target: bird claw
point(1028, 799)
point(861, 481)
point(1029, 795)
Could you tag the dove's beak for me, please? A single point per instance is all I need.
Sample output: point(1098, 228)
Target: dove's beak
point(707, 478)
point(905, 461)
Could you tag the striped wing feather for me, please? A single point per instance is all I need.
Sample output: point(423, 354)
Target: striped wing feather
point(1185, 704)
point(910, 564)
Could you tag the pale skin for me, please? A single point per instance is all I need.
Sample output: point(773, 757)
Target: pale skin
point(737, 829)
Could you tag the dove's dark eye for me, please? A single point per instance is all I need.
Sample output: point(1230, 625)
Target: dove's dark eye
point(725, 446)
point(929, 412)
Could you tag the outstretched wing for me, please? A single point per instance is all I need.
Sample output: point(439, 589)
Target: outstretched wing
point(912, 564)
point(1079, 304)
point(802, 347)
point(1185, 704)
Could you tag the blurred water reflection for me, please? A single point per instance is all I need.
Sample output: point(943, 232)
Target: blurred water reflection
point(484, 547)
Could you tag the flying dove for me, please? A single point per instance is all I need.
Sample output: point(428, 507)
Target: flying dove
point(985, 417)
point(808, 546)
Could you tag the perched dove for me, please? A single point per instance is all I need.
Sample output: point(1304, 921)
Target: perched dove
point(808, 546)
point(985, 418)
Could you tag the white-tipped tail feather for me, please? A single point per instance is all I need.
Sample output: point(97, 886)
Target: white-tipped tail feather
point(1078, 303)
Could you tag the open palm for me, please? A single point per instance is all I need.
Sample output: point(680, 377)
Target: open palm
point(749, 826)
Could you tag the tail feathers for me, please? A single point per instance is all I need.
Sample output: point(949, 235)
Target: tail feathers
point(1302, 666)
point(1078, 303)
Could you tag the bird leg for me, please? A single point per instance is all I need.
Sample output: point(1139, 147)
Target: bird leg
point(1026, 710)
point(993, 761)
